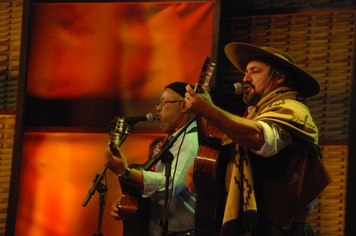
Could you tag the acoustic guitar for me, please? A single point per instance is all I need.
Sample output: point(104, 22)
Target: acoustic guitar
point(133, 208)
point(209, 167)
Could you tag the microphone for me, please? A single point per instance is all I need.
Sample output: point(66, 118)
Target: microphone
point(236, 88)
point(148, 117)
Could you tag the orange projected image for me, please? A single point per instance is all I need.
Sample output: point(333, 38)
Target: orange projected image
point(119, 50)
point(57, 172)
point(100, 60)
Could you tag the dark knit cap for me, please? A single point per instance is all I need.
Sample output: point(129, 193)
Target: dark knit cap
point(179, 87)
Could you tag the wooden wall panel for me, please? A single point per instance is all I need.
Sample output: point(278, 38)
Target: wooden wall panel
point(10, 41)
point(7, 128)
point(328, 216)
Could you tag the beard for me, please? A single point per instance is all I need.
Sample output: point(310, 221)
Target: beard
point(252, 98)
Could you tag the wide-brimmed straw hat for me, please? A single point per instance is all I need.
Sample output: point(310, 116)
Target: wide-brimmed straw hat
point(240, 54)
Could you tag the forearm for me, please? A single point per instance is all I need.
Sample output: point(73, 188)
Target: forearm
point(245, 132)
point(136, 179)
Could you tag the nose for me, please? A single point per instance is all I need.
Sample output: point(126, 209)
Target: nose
point(247, 77)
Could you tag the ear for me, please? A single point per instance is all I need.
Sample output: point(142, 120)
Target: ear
point(184, 107)
point(281, 79)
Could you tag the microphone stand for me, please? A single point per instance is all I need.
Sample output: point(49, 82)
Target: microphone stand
point(167, 157)
point(100, 187)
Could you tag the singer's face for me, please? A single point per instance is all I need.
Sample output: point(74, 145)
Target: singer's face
point(255, 80)
point(169, 115)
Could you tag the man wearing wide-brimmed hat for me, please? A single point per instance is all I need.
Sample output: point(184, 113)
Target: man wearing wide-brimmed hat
point(277, 172)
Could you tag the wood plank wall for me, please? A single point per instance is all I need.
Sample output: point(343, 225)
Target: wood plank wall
point(7, 129)
point(10, 42)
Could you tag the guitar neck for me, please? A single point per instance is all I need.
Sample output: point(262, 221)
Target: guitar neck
point(202, 85)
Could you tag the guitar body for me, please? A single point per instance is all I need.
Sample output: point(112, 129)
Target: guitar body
point(209, 178)
point(134, 211)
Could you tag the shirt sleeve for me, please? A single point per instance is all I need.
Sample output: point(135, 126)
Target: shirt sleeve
point(275, 140)
point(154, 182)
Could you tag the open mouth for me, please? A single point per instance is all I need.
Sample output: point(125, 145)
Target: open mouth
point(247, 89)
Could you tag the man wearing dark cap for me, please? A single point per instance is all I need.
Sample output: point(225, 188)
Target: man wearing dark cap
point(172, 114)
point(276, 172)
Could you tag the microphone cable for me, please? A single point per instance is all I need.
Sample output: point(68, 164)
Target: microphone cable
point(174, 173)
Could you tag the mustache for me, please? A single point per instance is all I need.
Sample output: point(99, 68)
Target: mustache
point(249, 84)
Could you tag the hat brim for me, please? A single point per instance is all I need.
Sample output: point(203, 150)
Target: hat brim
point(240, 54)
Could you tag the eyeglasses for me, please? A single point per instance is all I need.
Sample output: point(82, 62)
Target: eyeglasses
point(162, 103)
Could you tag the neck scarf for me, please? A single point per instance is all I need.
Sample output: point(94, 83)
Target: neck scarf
point(282, 107)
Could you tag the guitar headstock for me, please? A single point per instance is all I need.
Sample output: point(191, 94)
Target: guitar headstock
point(205, 75)
point(116, 131)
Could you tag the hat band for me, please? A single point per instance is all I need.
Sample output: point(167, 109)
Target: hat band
point(281, 56)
